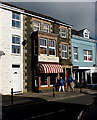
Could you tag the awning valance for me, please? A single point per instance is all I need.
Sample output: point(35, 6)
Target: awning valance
point(50, 68)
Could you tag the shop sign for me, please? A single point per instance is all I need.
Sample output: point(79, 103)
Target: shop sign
point(48, 59)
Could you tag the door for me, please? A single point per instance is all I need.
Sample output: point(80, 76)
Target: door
point(15, 82)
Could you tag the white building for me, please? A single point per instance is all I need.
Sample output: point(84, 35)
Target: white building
point(11, 37)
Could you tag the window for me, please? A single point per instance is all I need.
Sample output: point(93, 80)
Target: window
point(36, 26)
point(63, 32)
point(43, 46)
point(64, 51)
point(87, 55)
point(16, 20)
point(44, 81)
point(52, 46)
point(47, 46)
point(16, 44)
point(46, 27)
point(86, 33)
point(75, 53)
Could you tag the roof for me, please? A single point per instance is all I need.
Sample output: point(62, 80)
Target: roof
point(29, 12)
point(79, 33)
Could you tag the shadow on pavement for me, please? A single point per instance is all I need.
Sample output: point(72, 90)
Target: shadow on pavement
point(40, 109)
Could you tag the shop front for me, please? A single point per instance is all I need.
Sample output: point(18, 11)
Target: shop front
point(48, 74)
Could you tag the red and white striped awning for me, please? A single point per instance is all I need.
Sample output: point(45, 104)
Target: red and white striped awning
point(50, 68)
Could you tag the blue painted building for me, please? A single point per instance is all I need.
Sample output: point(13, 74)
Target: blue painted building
point(84, 57)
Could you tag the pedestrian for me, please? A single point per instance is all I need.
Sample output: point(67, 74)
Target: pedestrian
point(61, 83)
point(76, 82)
point(70, 81)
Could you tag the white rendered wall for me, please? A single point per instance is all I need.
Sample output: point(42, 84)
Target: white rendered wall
point(6, 32)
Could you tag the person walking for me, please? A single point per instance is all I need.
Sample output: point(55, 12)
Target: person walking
point(61, 84)
point(70, 81)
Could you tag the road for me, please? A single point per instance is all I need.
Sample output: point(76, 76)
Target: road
point(44, 110)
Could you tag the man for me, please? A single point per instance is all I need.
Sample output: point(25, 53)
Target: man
point(70, 81)
point(61, 84)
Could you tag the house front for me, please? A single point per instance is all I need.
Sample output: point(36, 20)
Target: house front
point(11, 37)
point(84, 57)
point(47, 54)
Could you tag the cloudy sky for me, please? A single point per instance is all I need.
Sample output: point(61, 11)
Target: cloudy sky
point(79, 14)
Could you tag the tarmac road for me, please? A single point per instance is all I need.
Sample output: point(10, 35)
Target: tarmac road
point(48, 110)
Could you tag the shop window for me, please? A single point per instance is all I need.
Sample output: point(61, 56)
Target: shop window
point(44, 80)
point(53, 79)
point(94, 78)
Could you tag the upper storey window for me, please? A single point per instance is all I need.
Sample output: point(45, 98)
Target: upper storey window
point(86, 33)
point(36, 26)
point(46, 27)
point(87, 55)
point(43, 46)
point(16, 20)
point(16, 44)
point(63, 51)
point(47, 47)
point(63, 32)
point(52, 47)
point(75, 53)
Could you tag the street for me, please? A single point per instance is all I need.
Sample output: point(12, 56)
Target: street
point(48, 110)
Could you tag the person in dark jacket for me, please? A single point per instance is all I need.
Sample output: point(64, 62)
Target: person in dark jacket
point(70, 81)
point(61, 84)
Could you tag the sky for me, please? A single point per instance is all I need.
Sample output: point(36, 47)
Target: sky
point(79, 14)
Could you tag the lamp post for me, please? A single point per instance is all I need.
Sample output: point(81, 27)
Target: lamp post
point(53, 90)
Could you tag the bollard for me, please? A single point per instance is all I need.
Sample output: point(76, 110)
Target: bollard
point(53, 91)
point(12, 96)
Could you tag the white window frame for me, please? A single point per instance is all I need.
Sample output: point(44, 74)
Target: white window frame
point(46, 27)
point(63, 34)
point(64, 51)
point(52, 47)
point(86, 33)
point(42, 46)
point(88, 56)
point(75, 53)
point(16, 20)
point(36, 26)
point(16, 44)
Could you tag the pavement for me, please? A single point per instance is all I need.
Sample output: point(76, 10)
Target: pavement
point(32, 97)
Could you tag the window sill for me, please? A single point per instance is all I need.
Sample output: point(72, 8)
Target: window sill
point(44, 85)
point(88, 61)
point(19, 28)
point(43, 54)
point(76, 61)
point(63, 58)
point(63, 37)
point(53, 55)
point(15, 54)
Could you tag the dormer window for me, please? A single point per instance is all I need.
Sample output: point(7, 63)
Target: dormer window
point(86, 33)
